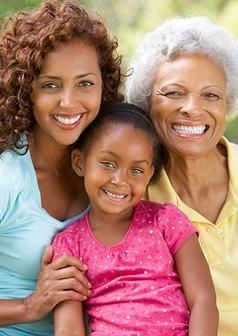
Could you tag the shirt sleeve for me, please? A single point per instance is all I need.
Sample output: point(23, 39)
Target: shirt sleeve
point(64, 244)
point(175, 226)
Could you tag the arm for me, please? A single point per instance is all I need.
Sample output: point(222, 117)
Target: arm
point(68, 319)
point(198, 288)
point(60, 280)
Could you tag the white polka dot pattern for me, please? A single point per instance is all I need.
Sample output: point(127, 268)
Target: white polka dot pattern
point(136, 289)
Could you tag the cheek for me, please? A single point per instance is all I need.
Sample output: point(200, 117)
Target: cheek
point(42, 103)
point(140, 187)
point(158, 121)
point(94, 102)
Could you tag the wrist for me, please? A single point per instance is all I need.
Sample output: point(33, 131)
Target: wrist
point(29, 311)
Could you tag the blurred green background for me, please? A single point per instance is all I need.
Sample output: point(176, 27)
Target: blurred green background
point(130, 19)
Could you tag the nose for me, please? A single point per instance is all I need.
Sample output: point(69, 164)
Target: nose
point(69, 99)
point(192, 107)
point(119, 178)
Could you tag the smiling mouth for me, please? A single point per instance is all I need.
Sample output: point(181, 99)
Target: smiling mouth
point(115, 196)
point(190, 130)
point(67, 120)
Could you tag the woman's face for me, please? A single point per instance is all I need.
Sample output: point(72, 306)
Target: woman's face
point(67, 93)
point(188, 104)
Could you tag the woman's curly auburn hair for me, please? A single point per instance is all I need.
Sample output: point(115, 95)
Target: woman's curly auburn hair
point(26, 39)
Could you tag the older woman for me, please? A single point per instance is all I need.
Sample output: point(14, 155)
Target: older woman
point(185, 74)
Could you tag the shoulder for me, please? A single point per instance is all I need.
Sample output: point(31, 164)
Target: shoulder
point(164, 215)
point(154, 208)
point(170, 221)
point(233, 147)
point(73, 230)
point(16, 172)
point(14, 165)
point(11, 181)
point(67, 242)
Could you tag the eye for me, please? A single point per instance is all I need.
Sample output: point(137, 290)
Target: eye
point(137, 171)
point(85, 83)
point(211, 96)
point(108, 164)
point(174, 94)
point(49, 86)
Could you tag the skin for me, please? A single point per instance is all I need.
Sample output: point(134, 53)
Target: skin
point(61, 91)
point(111, 168)
point(189, 91)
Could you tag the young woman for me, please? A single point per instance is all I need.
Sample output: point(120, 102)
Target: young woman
point(57, 65)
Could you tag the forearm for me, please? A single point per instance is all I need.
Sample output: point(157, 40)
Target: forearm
point(204, 318)
point(14, 312)
point(68, 319)
point(69, 333)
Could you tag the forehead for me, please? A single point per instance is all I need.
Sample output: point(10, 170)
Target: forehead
point(75, 53)
point(191, 69)
point(116, 130)
point(121, 135)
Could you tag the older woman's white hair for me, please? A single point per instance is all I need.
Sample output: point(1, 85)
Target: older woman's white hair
point(181, 36)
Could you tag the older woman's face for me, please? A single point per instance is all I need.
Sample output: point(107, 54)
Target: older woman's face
point(188, 104)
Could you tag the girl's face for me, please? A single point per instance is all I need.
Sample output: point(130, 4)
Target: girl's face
point(188, 104)
point(116, 167)
point(67, 93)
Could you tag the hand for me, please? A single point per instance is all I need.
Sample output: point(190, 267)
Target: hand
point(60, 280)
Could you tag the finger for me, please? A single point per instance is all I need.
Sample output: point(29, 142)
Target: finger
point(47, 256)
point(72, 272)
point(68, 295)
point(72, 283)
point(65, 261)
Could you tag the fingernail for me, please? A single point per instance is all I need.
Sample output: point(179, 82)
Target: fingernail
point(89, 292)
point(85, 267)
point(89, 285)
point(85, 297)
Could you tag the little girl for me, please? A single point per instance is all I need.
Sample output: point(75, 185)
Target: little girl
point(148, 274)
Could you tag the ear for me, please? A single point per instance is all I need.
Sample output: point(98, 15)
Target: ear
point(77, 162)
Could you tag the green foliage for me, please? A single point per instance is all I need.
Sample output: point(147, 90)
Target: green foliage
point(232, 130)
point(9, 7)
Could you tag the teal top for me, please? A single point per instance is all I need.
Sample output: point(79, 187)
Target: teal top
point(25, 230)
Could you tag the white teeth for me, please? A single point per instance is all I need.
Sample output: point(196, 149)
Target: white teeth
point(189, 129)
point(67, 120)
point(114, 195)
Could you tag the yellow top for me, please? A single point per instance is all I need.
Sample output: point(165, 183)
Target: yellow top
point(219, 241)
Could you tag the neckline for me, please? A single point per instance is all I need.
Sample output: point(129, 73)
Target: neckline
point(36, 188)
point(231, 193)
point(120, 243)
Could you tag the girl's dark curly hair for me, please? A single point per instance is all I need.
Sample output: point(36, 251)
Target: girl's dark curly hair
point(26, 39)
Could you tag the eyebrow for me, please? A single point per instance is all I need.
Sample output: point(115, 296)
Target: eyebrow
point(212, 86)
point(57, 77)
point(118, 156)
point(182, 86)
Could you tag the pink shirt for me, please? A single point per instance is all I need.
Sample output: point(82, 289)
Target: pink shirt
point(136, 289)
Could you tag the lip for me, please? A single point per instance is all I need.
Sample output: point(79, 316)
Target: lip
point(189, 130)
point(69, 126)
point(115, 196)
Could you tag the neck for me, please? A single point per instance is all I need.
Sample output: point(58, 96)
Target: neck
point(193, 173)
point(50, 155)
point(109, 229)
point(99, 219)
